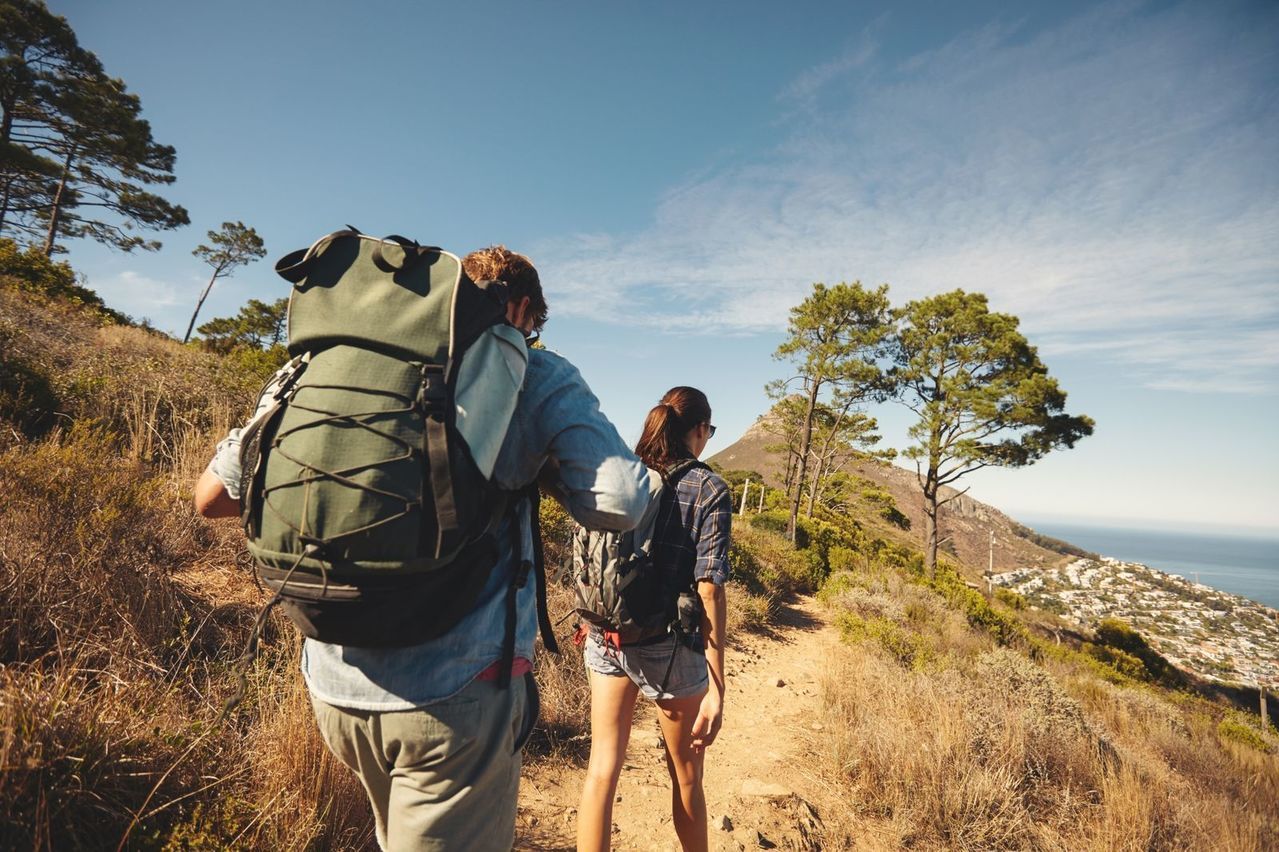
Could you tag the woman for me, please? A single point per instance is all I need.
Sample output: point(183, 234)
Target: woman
point(684, 676)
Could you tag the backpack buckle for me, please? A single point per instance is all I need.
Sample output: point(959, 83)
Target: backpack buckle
point(295, 369)
point(520, 580)
point(432, 392)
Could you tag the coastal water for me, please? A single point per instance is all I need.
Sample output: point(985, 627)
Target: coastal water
point(1239, 564)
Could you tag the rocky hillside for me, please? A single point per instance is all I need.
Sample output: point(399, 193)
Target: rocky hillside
point(967, 522)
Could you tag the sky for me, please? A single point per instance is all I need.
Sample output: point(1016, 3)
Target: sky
point(682, 173)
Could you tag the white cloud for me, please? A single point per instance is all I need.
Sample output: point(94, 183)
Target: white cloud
point(1113, 180)
point(138, 295)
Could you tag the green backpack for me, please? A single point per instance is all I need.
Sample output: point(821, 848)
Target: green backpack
point(367, 491)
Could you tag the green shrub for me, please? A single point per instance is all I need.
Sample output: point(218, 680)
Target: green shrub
point(38, 274)
point(1042, 649)
point(1115, 634)
point(841, 558)
point(766, 563)
point(904, 645)
point(836, 586)
point(1010, 598)
point(257, 364)
point(1121, 661)
point(27, 399)
point(772, 521)
point(1004, 629)
point(557, 533)
point(1235, 729)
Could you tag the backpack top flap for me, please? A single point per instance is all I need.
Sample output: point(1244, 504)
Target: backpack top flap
point(486, 391)
point(388, 295)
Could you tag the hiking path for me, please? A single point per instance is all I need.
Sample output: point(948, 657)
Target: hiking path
point(757, 783)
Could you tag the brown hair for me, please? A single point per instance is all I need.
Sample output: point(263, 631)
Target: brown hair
point(662, 442)
point(501, 264)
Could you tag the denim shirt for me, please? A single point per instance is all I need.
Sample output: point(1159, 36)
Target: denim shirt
point(605, 486)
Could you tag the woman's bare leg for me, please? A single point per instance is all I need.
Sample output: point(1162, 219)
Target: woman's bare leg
point(612, 709)
point(688, 800)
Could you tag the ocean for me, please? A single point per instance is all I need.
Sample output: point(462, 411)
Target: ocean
point(1242, 565)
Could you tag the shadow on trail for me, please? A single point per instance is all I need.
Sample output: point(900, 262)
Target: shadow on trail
point(787, 618)
point(540, 841)
point(792, 617)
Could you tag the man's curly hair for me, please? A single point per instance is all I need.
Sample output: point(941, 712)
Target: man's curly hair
point(501, 264)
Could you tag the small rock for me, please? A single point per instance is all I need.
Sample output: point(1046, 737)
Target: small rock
point(763, 842)
point(780, 682)
point(817, 726)
point(724, 823)
point(618, 797)
point(754, 787)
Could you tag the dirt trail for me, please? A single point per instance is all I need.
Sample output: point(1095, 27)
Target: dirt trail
point(755, 772)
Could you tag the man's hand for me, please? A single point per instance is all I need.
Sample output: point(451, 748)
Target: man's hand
point(710, 716)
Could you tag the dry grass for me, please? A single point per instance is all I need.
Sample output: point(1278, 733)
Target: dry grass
point(123, 612)
point(981, 748)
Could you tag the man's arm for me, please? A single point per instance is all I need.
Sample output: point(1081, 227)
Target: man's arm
point(217, 493)
point(588, 467)
point(212, 499)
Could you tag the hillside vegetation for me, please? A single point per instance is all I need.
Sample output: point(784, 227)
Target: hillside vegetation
point(949, 720)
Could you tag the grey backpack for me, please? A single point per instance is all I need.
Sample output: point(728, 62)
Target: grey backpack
point(620, 589)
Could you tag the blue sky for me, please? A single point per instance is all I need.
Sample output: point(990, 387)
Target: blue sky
point(682, 172)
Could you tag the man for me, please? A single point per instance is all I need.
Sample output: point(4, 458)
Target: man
point(432, 735)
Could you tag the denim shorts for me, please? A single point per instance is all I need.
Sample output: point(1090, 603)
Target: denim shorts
point(646, 666)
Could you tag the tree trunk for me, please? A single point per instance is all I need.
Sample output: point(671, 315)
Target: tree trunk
point(790, 471)
point(6, 130)
point(55, 214)
point(930, 523)
point(199, 305)
point(805, 444)
point(4, 201)
point(818, 473)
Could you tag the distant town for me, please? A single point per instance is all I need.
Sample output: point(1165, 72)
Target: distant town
point(1199, 629)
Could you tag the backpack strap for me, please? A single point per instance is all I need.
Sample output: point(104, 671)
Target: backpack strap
point(518, 578)
point(539, 562)
point(523, 566)
point(678, 469)
point(433, 401)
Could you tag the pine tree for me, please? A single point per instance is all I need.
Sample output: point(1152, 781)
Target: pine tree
point(233, 245)
point(836, 337)
point(258, 325)
point(981, 393)
point(75, 154)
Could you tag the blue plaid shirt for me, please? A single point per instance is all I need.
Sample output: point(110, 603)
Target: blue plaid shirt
point(693, 526)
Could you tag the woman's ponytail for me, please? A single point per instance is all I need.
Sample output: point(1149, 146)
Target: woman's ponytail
point(662, 442)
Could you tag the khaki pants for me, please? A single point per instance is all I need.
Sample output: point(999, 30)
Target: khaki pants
point(441, 777)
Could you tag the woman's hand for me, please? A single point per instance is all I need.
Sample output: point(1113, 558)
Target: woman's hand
point(710, 716)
